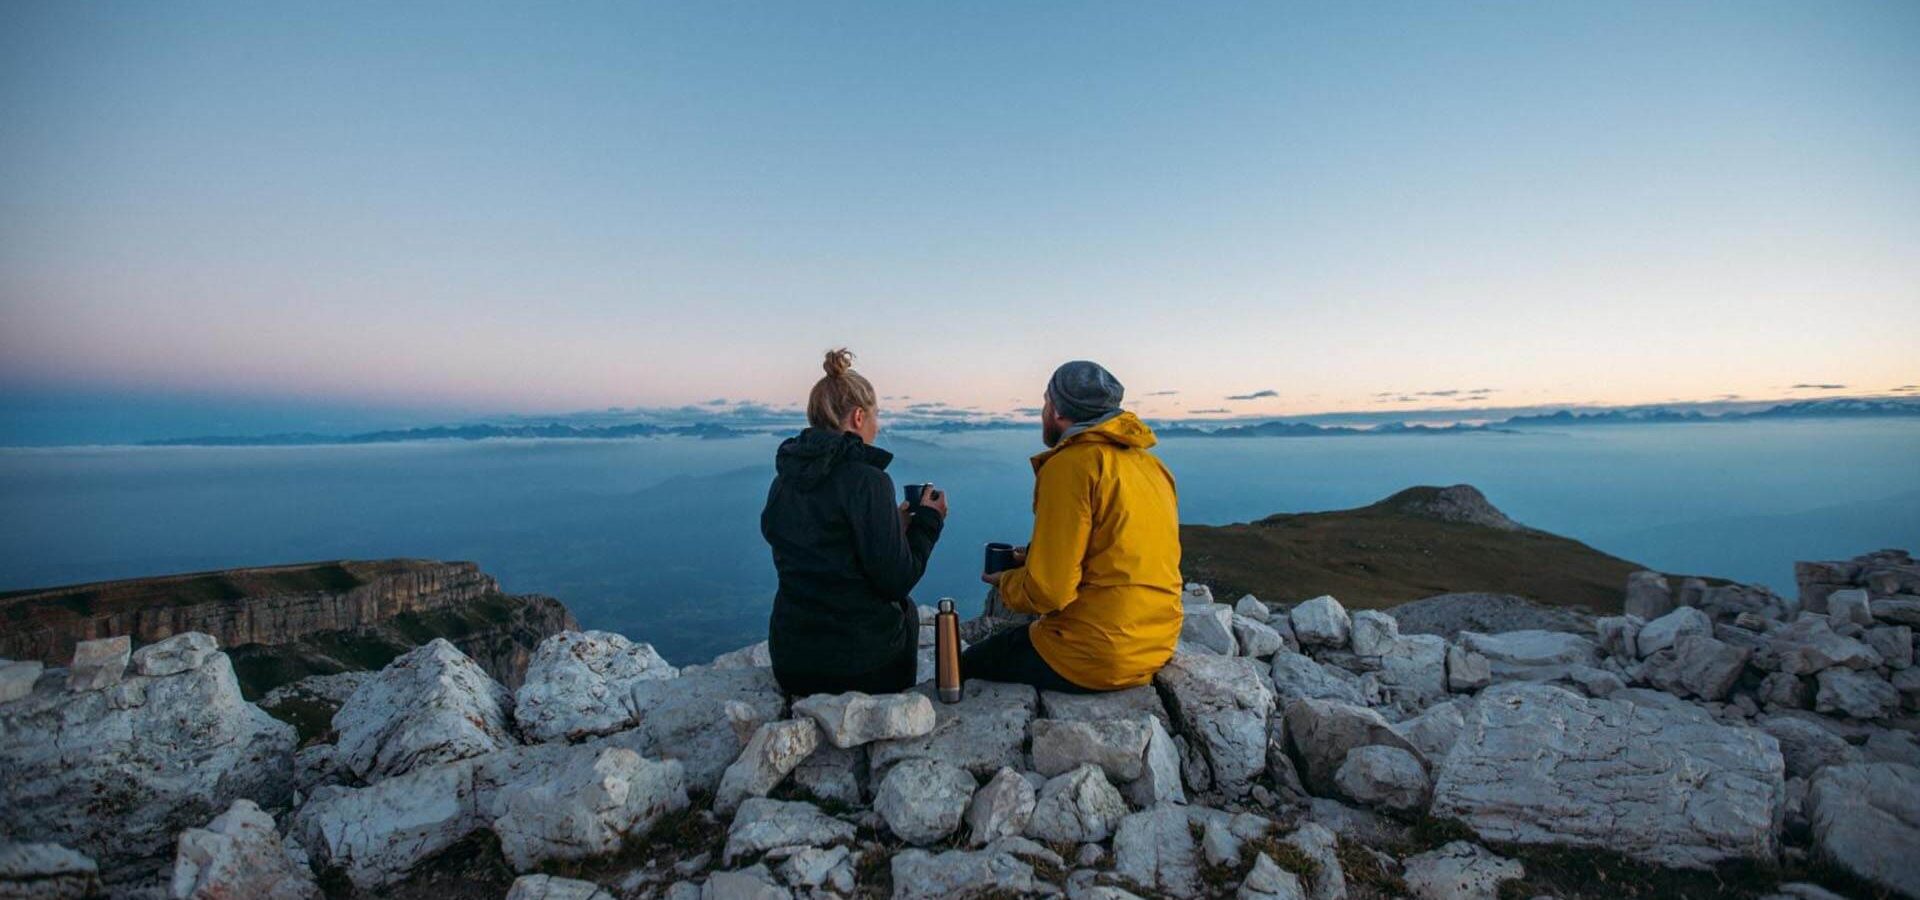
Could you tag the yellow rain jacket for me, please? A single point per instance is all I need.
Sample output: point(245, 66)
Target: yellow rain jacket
point(1103, 568)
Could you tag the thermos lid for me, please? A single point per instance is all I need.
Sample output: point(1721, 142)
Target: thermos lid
point(946, 604)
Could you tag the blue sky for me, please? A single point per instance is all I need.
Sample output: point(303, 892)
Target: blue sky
point(393, 211)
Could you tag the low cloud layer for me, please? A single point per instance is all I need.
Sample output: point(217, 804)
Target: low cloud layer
point(1256, 395)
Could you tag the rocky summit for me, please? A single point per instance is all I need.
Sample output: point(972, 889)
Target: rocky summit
point(1713, 741)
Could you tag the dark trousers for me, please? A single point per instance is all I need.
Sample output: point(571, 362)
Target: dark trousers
point(1009, 657)
point(892, 676)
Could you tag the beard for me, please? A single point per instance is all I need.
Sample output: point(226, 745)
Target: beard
point(1050, 431)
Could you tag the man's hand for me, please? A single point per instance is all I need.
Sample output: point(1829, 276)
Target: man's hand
point(936, 500)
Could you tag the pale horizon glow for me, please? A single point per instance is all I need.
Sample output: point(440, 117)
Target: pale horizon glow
point(479, 208)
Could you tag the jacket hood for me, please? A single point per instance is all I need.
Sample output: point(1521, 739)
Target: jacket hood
point(1125, 429)
point(806, 459)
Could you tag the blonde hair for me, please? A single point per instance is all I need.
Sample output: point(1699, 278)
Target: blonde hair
point(836, 396)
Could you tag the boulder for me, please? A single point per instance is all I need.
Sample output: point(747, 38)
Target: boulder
point(1210, 627)
point(830, 773)
point(1459, 871)
point(1413, 671)
point(1222, 705)
point(1434, 731)
point(1860, 695)
point(17, 678)
point(47, 872)
point(1806, 747)
point(1785, 691)
point(1467, 671)
point(986, 730)
point(1866, 819)
point(1537, 764)
point(1648, 595)
point(763, 824)
point(775, 750)
point(553, 887)
point(853, 718)
point(1078, 806)
point(759, 655)
point(1296, 676)
point(1809, 645)
point(376, 835)
point(1372, 632)
point(1619, 636)
point(1256, 638)
point(1000, 808)
point(1532, 654)
point(1322, 732)
point(180, 653)
point(751, 883)
point(1329, 879)
point(238, 854)
point(923, 800)
point(432, 705)
point(150, 755)
point(958, 874)
point(1894, 643)
point(1154, 849)
point(99, 663)
point(703, 719)
point(1697, 665)
point(1663, 632)
point(1250, 606)
point(1267, 881)
point(1849, 605)
point(1196, 594)
point(1320, 622)
point(1384, 777)
point(1117, 746)
point(1898, 610)
point(1159, 779)
point(1122, 704)
point(816, 866)
point(580, 683)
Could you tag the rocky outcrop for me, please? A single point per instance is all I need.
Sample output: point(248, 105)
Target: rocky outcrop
point(1866, 819)
point(289, 607)
point(581, 683)
point(1886, 575)
point(430, 706)
point(117, 770)
point(238, 854)
point(1538, 764)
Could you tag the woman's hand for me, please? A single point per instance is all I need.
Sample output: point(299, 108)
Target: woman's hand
point(935, 499)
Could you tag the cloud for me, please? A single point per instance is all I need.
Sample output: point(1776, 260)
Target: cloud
point(1027, 411)
point(1449, 392)
point(1256, 395)
point(718, 401)
point(1906, 388)
point(1206, 411)
point(1162, 393)
point(1728, 397)
point(1819, 387)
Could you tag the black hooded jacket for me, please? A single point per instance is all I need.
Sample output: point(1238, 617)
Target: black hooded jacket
point(845, 562)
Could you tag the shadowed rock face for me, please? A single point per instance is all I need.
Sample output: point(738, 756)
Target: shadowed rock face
point(281, 623)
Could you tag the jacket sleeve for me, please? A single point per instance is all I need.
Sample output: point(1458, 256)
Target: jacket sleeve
point(1062, 524)
point(892, 557)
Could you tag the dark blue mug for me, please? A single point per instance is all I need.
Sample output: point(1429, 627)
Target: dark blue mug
point(1000, 558)
point(915, 492)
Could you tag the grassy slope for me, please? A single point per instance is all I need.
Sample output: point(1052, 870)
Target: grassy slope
point(1377, 556)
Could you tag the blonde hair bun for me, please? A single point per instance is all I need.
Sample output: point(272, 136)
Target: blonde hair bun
point(839, 361)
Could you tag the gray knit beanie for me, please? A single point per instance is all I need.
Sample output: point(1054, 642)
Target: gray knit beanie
point(1082, 390)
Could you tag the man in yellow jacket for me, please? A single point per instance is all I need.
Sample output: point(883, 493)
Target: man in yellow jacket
point(1103, 569)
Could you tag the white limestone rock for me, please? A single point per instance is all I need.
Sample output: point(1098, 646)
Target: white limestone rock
point(1809, 645)
point(1210, 628)
point(580, 683)
point(99, 663)
point(1413, 671)
point(1122, 704)
point(1532, 654)
point(1078, 806)
point(1373, 633)
point(553, 887)
point(1434, 731)
point(956, 874)
point(1117, 746)
point(763, 824)
point(831, 773)
point(1267, 881)
point(1329, 880)
point(151, 756)
point(1159, 780)
point(1467, 671)
point(1537, 764)
point(1660, 633)
point(1383, 777)
point(1296, 675)
point(1256, 638)
point(923, 800)
point(1851, 605)
point(1320, 734)
point(37, 871)
point(1866, 819)
point(1697, 665)
point(376, 835)
point(1894, 643)
point(775, 750)
point(1619, 636)
point(1459, 871)
point(17, 678)
point(238, 854)
point(853, 718)
point(1806, 747)
point(1320, 622)
point(703, 719)
point(1222, 704)
point(752, 656)
point(180, 653)
point(1196, 594)
point(432, 705)
point(752, 883)
point(1250, 606)
point(1000, 808)
point(1860, 695)
point(1154, 848)
point(1648, 595)
point(987, 729)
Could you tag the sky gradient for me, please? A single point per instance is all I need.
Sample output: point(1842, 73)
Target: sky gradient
point(442, 209)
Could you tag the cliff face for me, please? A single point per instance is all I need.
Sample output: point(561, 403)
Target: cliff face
point(286, 621)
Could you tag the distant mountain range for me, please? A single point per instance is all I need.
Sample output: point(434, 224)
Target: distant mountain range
point(1838, 407)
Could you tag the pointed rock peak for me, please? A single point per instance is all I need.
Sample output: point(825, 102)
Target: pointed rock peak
point(1461, 503)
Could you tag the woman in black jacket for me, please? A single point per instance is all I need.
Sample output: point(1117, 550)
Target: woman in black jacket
point(846, 555)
